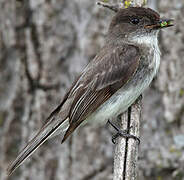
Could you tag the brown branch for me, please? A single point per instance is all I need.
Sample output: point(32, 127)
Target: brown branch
point(126, 150)
point(112, 7)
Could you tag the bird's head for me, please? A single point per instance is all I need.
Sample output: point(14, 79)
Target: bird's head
point(135, 22)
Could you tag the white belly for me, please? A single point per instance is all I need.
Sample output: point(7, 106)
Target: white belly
point(126, 96)
point(117, 104)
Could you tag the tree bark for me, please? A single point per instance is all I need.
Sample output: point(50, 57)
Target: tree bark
point(126, 150)
point(53, 41)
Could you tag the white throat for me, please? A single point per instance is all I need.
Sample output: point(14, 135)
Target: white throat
point(148, 40)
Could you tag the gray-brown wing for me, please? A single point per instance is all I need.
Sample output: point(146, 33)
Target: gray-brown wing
point(100, 80)
point(107, 73)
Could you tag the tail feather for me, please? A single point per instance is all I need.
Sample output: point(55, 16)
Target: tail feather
point(52, 128)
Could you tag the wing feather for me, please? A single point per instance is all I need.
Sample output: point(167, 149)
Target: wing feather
point(107, 73)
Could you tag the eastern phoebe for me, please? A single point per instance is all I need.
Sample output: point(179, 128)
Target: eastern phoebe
point(112, 81)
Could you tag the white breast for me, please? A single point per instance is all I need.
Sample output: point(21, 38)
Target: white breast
point(152, 42)
point(124, 97)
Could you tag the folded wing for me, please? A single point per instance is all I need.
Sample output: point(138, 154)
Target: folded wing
point(106, 74)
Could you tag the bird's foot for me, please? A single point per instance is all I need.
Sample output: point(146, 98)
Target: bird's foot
point(122, 133)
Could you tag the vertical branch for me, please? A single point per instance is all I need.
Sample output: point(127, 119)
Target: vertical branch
point(126, 150)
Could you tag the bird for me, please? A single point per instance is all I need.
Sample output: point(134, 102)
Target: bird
point(111, 82)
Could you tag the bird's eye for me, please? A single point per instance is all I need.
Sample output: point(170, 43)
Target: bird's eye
point(135, 21)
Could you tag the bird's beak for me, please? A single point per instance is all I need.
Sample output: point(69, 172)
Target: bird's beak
point(163, 23)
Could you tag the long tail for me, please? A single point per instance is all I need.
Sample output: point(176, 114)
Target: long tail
point(50, 129)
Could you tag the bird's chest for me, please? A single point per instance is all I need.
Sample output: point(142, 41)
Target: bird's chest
point(125, 96)
point(144, 75)
point(148, 67)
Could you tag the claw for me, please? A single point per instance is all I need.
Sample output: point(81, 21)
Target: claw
point(121, 133)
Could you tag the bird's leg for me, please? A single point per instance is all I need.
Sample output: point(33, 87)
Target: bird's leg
point(139, 98)
point(122, 133)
